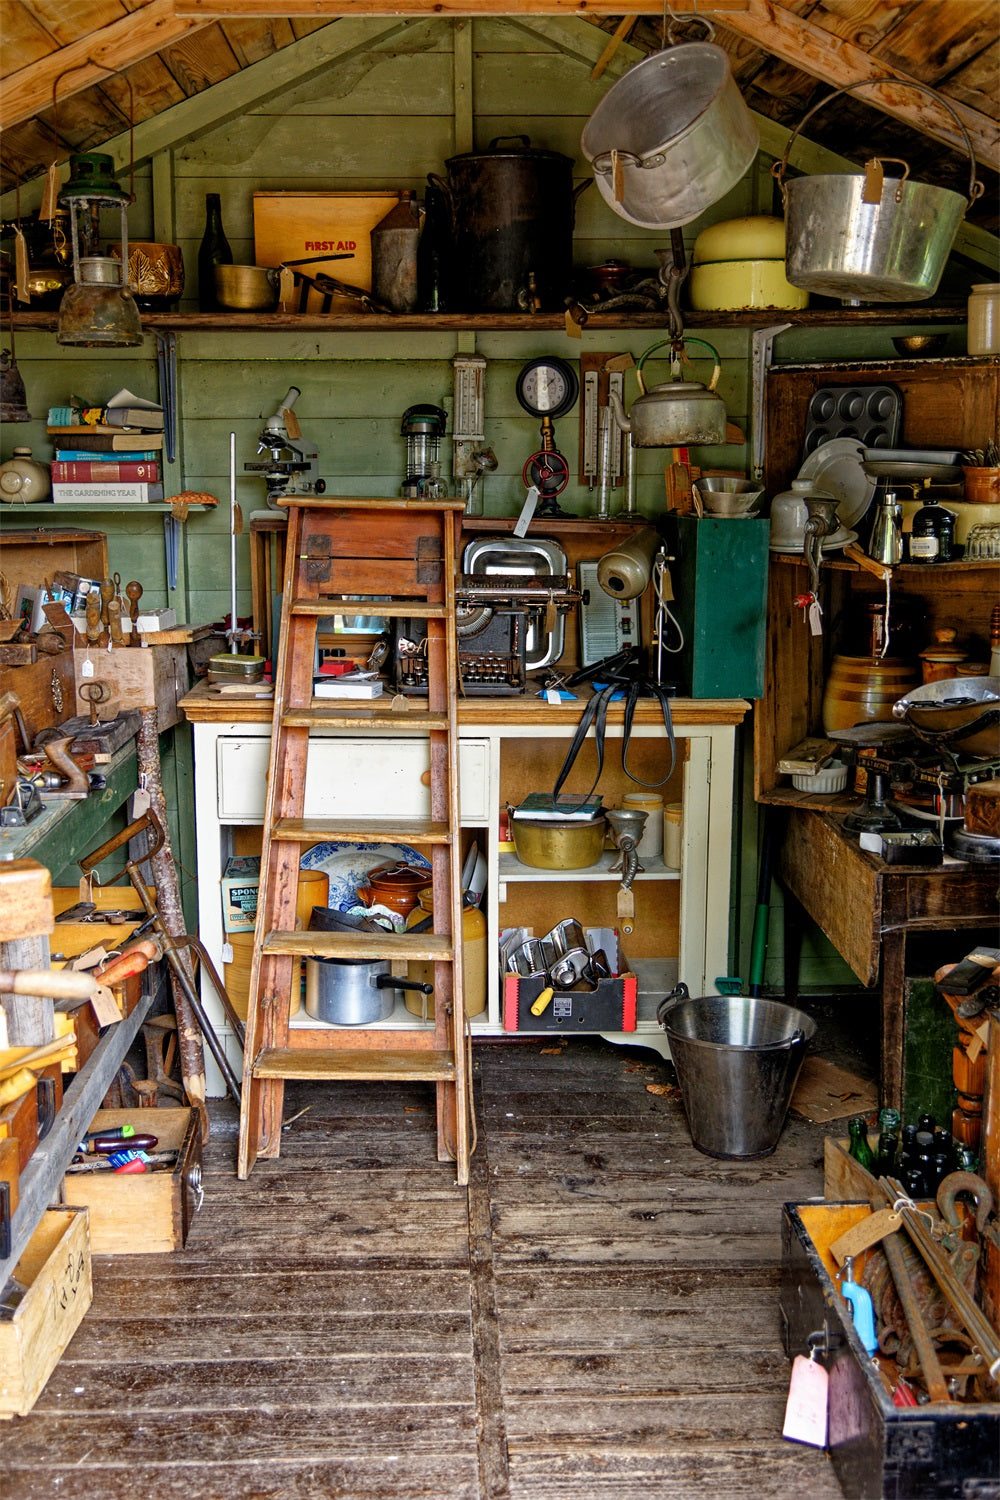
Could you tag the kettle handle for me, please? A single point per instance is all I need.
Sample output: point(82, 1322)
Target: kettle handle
point(664, 343)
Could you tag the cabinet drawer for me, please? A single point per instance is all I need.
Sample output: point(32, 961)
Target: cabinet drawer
point(345, 774)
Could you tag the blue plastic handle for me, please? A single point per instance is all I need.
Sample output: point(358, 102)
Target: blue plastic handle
point(863, 1314)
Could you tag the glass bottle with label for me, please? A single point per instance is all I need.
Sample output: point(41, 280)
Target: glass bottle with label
point(932, 534)
point(213, 251)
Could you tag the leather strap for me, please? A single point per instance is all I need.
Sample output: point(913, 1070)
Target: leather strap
point(596, 712)
point(656, 690)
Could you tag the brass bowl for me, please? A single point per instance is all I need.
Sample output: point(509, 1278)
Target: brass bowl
point(920, 343)
point(559, 844)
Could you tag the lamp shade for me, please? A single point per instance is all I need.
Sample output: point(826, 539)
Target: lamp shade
point(97, 311)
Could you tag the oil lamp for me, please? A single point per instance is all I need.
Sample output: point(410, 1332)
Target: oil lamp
point(98, 309)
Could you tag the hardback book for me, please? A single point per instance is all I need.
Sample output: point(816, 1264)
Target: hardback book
point(107, 494)
point(347, 687)
point(104, 471)
point(566, 805)
point(148, 419)
point(93, 455)
point(104, 439)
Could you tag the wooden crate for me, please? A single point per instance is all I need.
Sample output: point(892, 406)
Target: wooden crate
point(296, 226)
point(35, 554)
point(56, 1269)
point(146, 677)
point(151, 1212)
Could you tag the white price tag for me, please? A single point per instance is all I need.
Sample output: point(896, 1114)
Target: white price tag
point(806, 1409)
point(86, 667)
point(815, 618)
point(140, 803)
point(227, 953)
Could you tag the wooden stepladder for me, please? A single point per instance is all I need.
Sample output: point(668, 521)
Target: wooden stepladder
point(402, 554)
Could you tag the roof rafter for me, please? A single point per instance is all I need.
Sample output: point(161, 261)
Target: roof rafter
point(90, 60)
point(838, 62)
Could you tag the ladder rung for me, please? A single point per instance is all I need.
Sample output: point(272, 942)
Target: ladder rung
point(367, 946)
point(401, 1065)
point(361, 719)
point(418, 831)
point(402, 609)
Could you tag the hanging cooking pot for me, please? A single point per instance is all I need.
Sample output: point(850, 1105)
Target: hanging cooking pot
point(869, 237)
point(675, 414)
point(512, 209)
point(671, 137)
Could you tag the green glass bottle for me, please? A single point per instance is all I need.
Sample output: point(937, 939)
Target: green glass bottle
point(860, 1147)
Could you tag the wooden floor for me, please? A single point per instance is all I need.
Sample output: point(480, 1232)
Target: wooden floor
point(597, 1316)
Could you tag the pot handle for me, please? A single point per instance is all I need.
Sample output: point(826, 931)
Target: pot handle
point(391, 982)
point(663, 343)
point(524, 139)
point(444, 188)
point(779, 168)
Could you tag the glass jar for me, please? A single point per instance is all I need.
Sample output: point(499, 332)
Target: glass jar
point(984, 319)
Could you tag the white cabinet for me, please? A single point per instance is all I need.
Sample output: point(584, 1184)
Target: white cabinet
point(681, 930)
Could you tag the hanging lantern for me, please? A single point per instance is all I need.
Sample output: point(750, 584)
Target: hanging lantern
point(13, 399)
point(98, 310)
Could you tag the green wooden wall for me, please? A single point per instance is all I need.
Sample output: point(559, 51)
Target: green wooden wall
point(385, 105)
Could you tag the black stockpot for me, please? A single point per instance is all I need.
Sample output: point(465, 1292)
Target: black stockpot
point(512, 213)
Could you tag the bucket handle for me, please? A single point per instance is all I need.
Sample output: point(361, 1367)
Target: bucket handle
point(975, 187)
point(663, 343)
point(669, 1002)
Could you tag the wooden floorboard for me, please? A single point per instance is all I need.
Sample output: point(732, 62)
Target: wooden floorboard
point(594, 1318)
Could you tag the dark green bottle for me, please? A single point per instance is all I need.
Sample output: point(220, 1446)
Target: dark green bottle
point(860, 1147)
point(213, 251)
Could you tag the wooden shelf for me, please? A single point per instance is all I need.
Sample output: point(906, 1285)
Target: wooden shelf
point(256, 322)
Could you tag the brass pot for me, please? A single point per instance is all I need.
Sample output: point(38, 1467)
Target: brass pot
point(559, 844)
point(155, 272)
point(247, 288)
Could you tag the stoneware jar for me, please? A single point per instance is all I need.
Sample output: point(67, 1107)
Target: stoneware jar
point(23, 480)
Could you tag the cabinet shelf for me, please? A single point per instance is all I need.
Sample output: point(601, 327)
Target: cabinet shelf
point(510, 868)
point(256, 322)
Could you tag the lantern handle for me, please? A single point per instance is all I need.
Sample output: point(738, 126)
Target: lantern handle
point(103, 68)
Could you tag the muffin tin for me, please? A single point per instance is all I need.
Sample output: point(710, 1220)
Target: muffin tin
point(869, 413)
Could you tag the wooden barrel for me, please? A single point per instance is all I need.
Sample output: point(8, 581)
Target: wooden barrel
point(862, 689)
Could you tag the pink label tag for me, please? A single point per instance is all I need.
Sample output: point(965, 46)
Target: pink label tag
point(805, 1412)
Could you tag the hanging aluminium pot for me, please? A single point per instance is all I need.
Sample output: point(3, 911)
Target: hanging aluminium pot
point(512, 209)
point(671, 137)
point(869, 237)
point(675, 414)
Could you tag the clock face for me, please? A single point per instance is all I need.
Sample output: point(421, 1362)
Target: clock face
point(547, 387)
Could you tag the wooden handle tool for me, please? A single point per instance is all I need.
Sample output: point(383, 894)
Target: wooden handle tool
point(133, 593)
point(115, 622)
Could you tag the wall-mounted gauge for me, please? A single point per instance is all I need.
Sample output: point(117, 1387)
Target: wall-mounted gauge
point(547, 387)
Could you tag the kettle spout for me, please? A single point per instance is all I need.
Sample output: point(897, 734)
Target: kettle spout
point(618, 411)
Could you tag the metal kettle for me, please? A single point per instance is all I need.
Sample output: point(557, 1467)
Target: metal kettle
point(675, 413)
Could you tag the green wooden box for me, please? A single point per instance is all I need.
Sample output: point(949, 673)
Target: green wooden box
point(719, 578)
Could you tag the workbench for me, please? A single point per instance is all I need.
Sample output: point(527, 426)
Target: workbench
point(868, 909)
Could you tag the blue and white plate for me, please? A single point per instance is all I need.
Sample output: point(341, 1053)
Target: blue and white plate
point(349, 865)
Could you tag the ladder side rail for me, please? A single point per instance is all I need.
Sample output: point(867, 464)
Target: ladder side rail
point(260, 1116)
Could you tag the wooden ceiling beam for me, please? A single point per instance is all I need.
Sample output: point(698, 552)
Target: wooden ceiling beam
point(838, 62)
point(112, 48)
point(314, 10)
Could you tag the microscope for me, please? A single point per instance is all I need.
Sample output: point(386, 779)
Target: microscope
point(293, 467)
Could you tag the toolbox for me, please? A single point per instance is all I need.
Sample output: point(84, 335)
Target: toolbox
point(879, 1451)
point(56, 1270)
point(610, 1007)
point(151, 1212)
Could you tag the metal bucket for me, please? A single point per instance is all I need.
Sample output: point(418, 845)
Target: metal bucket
point(866, 237)
point(671, 137)
point(737, 1060)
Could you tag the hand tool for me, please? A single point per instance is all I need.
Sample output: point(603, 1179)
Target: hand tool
point(115, 622)
point(149, 825)
point(133, 593)
point(77, 786)
point(107, 593)
point(95, 693)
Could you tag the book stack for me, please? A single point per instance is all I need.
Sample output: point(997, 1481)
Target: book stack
point(543, 806)
point(108, 455)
